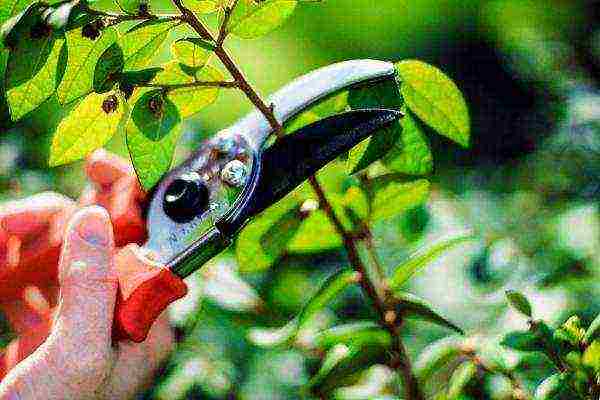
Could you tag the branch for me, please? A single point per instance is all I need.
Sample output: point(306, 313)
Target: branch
point(226, 17)
point(400, 360)
point(221, 84)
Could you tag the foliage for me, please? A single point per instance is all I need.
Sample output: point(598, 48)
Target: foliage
point(138, 72)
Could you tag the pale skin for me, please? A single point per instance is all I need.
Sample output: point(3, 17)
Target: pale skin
point(58, 291)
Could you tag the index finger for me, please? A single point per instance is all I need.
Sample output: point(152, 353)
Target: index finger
point(29, 216)
point(104, 168)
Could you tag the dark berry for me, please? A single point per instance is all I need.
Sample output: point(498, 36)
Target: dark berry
point(93, 29)
point(143, 8)
point(110, 104)
point(127, 89)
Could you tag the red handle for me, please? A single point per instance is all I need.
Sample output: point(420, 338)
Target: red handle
point(145, 290)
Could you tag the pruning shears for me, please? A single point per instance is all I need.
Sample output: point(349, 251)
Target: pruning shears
point(196, 210)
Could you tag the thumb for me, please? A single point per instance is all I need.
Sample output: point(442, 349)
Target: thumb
point(75, 358)
point(88, 286)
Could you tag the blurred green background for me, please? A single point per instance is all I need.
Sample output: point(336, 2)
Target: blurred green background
point(528, 186)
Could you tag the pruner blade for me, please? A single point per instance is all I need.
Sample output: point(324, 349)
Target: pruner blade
point(295, 157)
point(197, 209)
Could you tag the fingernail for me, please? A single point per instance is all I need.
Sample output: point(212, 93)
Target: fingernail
point(93, 226)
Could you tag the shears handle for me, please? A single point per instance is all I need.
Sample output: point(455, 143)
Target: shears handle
point(145, 290)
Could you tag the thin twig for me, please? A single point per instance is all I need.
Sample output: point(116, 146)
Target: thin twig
point(225, 24)
point(175, 86)
point(400, 359)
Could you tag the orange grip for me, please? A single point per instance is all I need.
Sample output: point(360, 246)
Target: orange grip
point(145, 290)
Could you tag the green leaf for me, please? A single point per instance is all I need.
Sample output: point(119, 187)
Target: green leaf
point(384, 94)
point(420, 260)
point(300, 121)
point(143, 41)
point(396, 198)
point(84, 54)
point(409, 305)
point(434, 98)
point(152, 134)
point(593, 331)
point(250, 254)
point(523, 341)
point(9, 8)
point(108, 69)
point(519, 302)
point(327, 292)
point(342, 361)
point(131, 6)
point(461, 378)
point(88, 127)
point(354, 333)
point(411, 154)
point(553, 387)
point(573, 327)
point(33, 69)
point(591, 356)
point(12, 12)
point(140, 77)
point(252, 19)
point(202, 6)
point(193, 52)
point(437, 355)
point(189, 100)
point(275, 240)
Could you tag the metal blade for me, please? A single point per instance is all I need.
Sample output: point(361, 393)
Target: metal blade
point(297, 156)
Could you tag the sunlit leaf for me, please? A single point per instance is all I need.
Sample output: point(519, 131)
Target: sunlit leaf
point(32, 72)
point(411, 154)
point(202, 6)
point(83, 56)
point(409, 305)
point(9, 8)
point(396, 198)
point(460, 379)
point(252, 19)
point(89, 126)
point(591, 356)
point(152, 134)
point(189, 100)
point(12, 14)
point(593, 331)
point(435, 99)
point(193, 52)
point(422, 259)
point(143, 41)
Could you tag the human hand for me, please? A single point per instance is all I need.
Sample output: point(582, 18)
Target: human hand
point(76, 350)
